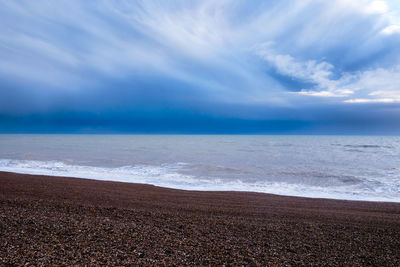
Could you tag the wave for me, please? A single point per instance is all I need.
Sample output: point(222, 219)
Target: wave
point(172, 176)
point(367, 146)
point(162, 174)
point(362, 146)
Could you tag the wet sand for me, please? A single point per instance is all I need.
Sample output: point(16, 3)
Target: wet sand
point(64, 221)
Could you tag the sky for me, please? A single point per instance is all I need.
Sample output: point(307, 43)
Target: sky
point(228, 66)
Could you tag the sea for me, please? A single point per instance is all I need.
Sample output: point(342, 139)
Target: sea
point(337, 167)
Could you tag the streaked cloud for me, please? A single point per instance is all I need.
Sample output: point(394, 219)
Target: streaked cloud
point(199, 56)
point(373, 100)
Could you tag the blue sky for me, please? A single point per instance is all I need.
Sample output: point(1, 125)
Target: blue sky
point(298, 66)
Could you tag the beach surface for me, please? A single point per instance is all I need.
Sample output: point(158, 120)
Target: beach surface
point(69, 221)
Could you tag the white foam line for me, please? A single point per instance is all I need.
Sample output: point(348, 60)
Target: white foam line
point(168, 175)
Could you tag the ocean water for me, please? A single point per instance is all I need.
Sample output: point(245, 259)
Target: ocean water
point(341, 167)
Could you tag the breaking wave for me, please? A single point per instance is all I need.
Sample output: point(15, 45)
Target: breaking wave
point(174, 176)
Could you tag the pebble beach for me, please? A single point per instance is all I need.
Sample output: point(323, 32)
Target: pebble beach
point(64, 221)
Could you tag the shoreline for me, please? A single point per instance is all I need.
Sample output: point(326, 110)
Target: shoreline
point(51, 220)
point(380, 200)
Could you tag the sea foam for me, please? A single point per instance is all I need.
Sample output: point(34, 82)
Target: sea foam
point(170, 175)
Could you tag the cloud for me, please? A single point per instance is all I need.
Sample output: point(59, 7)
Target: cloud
point(370, 83)
point(337, 93)
point(377, 86)
point(310, 70)
point(198, 56)
point(318, 73)
point(373, 100)
point(377, 7)
point(392, 29)
point(374, 86)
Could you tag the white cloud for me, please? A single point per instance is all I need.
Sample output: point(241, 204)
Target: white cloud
point(371, 86)
point(336, 93)
point(377, 7)
point(317, 72)
point(371, 100)
point(392, 29)
point(378, 81)
point(309, 70)
point(374, 86)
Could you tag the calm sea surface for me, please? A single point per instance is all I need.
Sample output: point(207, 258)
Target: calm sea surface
point(344, 167)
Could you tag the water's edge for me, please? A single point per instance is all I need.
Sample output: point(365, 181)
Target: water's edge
point(167, 177)
point(336, 167)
